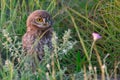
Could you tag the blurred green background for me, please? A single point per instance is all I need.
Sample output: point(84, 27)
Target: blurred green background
point(101, 16)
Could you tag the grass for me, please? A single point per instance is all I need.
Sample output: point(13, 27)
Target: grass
point(74, 23)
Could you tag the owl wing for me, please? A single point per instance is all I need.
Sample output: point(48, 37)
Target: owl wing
point(49, 39)
point(27, 41)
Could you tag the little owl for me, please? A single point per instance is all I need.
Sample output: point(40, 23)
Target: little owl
point(39, 33)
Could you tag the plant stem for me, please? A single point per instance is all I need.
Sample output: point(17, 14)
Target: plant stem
point(100, 63)
point(92, 49)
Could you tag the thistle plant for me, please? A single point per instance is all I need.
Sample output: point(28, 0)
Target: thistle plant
point(60, 49)
point(65, 45)
point(11, 45)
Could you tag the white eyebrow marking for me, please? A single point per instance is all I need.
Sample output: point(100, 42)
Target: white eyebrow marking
point(44, 20)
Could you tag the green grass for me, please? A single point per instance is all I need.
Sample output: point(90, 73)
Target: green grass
point(82, 17)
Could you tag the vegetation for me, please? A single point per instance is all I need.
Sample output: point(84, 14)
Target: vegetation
point(77, 55)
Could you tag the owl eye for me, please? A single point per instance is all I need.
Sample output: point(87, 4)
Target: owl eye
point(39, 20)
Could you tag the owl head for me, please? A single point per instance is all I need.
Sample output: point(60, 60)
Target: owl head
point(40, 19)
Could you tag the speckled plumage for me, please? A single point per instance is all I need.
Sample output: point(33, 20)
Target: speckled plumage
point(37, 34)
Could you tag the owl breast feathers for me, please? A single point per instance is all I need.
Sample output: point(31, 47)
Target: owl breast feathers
point(39, 33)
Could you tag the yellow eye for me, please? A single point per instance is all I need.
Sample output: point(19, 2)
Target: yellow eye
point(39, 20)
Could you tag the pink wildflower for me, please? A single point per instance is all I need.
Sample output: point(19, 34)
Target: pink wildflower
point(96, 36)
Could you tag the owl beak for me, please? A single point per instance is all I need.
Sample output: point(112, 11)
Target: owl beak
point(44, 22)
